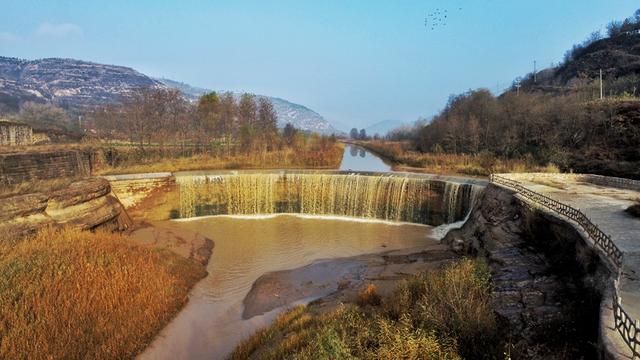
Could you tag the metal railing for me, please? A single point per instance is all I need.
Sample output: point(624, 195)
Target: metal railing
point(628, 327)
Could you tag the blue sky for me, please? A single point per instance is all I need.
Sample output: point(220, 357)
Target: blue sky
point(355, 62)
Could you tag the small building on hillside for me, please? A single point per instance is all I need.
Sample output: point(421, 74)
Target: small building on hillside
point(14, 133)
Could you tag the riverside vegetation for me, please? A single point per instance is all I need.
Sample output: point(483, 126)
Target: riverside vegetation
point(405, 157)
point(554, 116)
point(65, 293)
point(218, 132)
point(158, 130)
point(443, 314)
point(307, 151)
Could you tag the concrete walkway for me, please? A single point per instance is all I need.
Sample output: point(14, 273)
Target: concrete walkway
point(605, 207)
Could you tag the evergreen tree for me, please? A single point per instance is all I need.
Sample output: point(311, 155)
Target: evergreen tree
point(209, 112)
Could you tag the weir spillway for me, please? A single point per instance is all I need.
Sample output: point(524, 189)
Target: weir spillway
point(393, 197)
point(247, 247)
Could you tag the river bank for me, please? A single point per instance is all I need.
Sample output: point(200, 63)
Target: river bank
point(443, 313)
point(246, 248)
point(404, 158)
point(336, 281)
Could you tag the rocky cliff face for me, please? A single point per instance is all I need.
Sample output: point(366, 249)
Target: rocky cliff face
point(68, 83)
point(85, 204)
point(547, 280)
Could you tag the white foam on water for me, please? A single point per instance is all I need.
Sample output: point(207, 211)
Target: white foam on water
point(304, 216)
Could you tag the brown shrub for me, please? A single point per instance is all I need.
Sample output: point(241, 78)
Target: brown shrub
point(369, 296)
point(634, 210)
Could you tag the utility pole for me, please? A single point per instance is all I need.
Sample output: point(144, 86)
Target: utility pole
point(518, 89)
point(601, 87)
point(535, 75)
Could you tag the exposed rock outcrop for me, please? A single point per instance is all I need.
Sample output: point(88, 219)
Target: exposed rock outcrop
point(67, 82)
point(86, 204)
point(547, 280)
point(634, 210)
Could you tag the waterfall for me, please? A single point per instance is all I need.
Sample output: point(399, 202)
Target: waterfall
point(394, 198)
point(458, 200)
point(439, 232)
point(450, 202)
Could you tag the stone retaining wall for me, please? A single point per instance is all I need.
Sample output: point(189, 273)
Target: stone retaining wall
point(609, 181)
point(545, 273)
point(20, 167)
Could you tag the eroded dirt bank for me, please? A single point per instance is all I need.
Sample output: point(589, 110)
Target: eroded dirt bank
point(340, 280)
point(547, 280)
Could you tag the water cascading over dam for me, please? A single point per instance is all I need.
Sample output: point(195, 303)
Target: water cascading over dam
point(385, 197)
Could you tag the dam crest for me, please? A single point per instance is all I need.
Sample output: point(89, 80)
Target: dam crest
point(389, 197)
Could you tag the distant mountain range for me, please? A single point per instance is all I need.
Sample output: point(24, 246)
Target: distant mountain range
point(383, 127)
point(78, 85)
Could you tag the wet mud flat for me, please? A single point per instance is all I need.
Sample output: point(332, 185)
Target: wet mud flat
point(334, 281)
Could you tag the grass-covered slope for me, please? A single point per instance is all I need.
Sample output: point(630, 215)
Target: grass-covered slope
point(68, 294)
point(439, 315)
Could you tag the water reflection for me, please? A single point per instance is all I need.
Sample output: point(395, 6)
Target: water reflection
point(357, 158)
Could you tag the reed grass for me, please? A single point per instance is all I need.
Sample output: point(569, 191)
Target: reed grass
point(438, 315)
point(68, 294)
point(287, 158)
point(35, 186)
point(443, 163)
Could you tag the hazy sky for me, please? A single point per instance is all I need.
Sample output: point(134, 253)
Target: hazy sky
point(354, 62)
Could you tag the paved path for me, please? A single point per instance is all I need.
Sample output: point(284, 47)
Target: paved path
point(605, 207)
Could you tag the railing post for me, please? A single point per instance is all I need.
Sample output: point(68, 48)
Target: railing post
point(635, 339)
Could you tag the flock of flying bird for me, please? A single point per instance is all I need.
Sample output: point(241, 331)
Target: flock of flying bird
point(437, 18)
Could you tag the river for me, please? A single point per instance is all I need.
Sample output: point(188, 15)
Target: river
point(247, 247)
point(357, 158)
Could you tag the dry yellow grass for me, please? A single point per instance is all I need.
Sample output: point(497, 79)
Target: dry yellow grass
point(34, 186)
point(80, 295)
point(454, 303)
point(287, 158)
point(466, 164)
point(439, 315)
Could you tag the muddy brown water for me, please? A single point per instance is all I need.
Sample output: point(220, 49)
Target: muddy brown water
point(211, 324)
